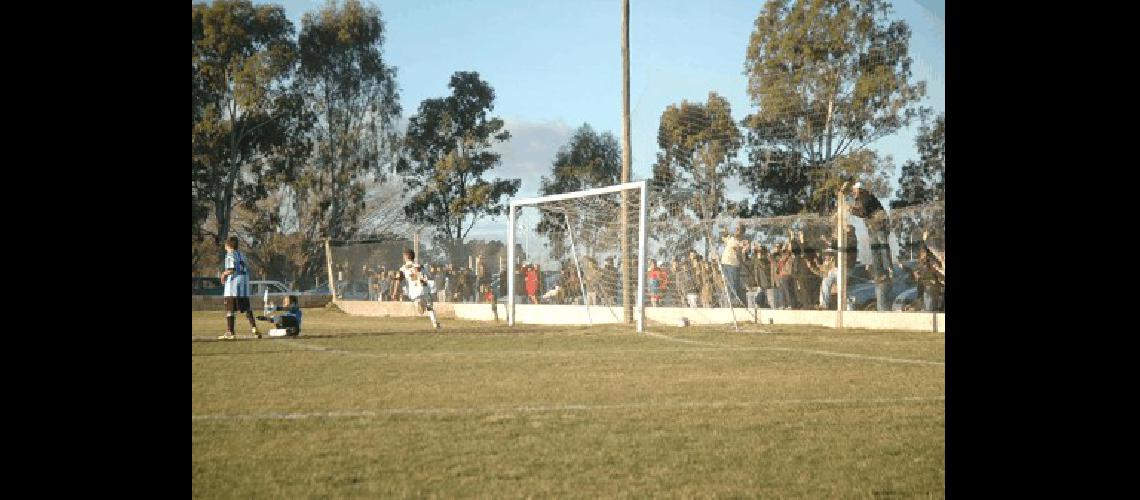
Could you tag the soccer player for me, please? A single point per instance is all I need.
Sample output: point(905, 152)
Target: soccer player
point(236, 293)
point(289, 320)
point(416, 284)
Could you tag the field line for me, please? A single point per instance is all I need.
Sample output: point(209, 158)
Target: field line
point(710, 347)
point(809, 351)
point(534, 408)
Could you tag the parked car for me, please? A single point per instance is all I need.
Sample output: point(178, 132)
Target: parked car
point(861, 297)
point(352, 290)
point(859, 274)
point(207, 285)
point(320, 290)
point(276, 288)
point(550, 279)
point(907, 301)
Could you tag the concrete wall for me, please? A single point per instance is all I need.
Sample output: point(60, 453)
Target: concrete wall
point(670, 316)
point(922, 321)
point(388, 308)
point(214, 302)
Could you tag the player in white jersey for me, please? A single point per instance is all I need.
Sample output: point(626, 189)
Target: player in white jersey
point(236, 293)
point(416, 285)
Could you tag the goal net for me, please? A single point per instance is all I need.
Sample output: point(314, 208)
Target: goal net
point(568, 249)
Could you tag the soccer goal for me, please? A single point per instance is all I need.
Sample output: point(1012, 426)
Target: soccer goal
point(584, 250)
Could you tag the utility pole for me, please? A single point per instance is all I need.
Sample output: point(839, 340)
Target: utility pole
point(626, 260)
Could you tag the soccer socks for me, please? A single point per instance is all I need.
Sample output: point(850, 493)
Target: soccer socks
point(230, 324)
point(434, 321)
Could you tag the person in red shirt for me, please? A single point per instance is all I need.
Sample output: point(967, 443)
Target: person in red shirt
point(658, 278)
point(532, 283)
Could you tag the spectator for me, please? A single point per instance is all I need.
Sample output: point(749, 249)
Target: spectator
point(520, 283)
point(503, 291)
point(830, 273)
point(774, 255)
point(699, 284)
point(462, 288)
point(867, 207)
point(747, 273)
point(541, 282)
point(808, 281)
point(785, 261)
point(480, 276)
point(590, 274)
point(373, 284)
point(929, 279)
point(610, 273)
point(762, 273)
point(657, 278)
point(852, 248)
point(714, 279)
point(531, 278)
point(730, 264)
point(932, 244)
point(568, 278)
point(396, 286)
point(687, 294)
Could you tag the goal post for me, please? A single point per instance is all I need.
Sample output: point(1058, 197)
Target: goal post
point(597, 211)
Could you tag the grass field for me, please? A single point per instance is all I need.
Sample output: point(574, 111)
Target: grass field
point(383, 407)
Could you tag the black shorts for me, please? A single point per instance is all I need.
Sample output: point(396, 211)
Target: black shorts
point(238, 304)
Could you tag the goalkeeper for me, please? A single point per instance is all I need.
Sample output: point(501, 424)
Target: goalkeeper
point(290, 320)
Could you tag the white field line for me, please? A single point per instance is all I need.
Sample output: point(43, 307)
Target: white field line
point(709, 347)
point(809, 351)
point(560, 407)
point(506, 353)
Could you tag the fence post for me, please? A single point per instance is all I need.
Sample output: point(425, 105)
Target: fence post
point(328, 263)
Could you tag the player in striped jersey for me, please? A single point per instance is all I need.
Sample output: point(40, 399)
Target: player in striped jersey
point(236, 293)
point(416, 285)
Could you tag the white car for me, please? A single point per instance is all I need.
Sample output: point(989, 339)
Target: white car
point(276, 289)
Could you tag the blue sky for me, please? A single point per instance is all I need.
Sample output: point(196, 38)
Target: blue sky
point(557, 64)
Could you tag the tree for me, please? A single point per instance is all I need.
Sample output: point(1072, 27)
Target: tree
point(447, 151)
point(243, 57)
point(340, 142)
point(352, 93)
point(589, 160)
point(827, 77)
point(699, 142)
point(924, 181)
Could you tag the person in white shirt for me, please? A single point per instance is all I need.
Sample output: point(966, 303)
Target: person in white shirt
point(416, 285)
point(730, 263)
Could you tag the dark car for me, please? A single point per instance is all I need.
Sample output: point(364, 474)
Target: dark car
point(861, 297)
point(206, 285)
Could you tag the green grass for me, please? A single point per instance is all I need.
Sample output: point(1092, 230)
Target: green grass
point(382, 407)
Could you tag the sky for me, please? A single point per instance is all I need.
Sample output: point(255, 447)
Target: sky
point(556, 64)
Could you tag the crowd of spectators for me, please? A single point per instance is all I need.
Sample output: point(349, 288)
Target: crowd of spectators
point(796, 272)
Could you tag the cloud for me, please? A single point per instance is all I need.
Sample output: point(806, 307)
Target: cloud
point(529, 154)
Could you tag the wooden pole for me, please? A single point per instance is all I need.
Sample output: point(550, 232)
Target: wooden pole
point(625, 165)
point(328, 263)
point(841, 246)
